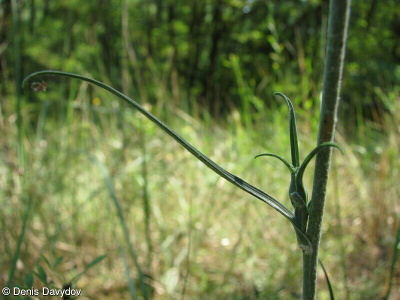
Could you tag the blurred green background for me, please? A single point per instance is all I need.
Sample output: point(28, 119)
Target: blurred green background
point(72, 154)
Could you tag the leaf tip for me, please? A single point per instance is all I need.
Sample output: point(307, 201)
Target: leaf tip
point(279, 94)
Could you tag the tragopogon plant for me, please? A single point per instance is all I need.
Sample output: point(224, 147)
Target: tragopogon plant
point(297, 192)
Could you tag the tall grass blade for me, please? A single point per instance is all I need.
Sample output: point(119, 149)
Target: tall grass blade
point(110, 186)
point(131, 282)
point(393, 265)
point(20, 150)
point(90, 265)
point(17, 71)
point(11, 274)
point(338, 216)
point(146, 199)
point(328, 282)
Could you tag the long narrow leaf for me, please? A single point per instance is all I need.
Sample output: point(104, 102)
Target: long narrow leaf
point(200, 156)
point(21, 237)
point(131, 282)
point(311, 155)
point(287, 164)
point(328, 282)
point(90, 265)
point(294, 146)
point(396, 248)
point(110, 186)
point(259, 194)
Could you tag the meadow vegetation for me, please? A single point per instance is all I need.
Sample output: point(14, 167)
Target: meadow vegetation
point(71, 156)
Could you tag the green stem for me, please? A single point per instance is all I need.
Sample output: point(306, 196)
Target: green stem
point(245, 186)
point(339, 12)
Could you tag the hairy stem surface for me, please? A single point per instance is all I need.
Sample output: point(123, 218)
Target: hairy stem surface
point(339, 12)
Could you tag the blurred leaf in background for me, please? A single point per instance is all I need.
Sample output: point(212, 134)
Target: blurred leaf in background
point(208, 69)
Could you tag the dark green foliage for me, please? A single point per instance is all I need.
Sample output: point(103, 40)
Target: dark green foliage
point(213, 54)
point(280, 46)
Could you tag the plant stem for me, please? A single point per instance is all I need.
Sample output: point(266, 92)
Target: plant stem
point(339, 12)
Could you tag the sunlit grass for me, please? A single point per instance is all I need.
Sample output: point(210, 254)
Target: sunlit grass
point(237, 246)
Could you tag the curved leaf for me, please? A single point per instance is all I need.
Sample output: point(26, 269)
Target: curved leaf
point(311, 155)
point(259, 194)
point(287, 164)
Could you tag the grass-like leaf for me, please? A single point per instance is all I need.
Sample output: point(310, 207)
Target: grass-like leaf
point(46, 261)
point(287, 164)
point(110, 187)
point(131, 282)
point(261, 195)
point(328, 282)
point(304, 242)
point(90, 265)
point(28, 280)
point(396, 251)
point(57, 261)
point(41, 274)
point(17, 253)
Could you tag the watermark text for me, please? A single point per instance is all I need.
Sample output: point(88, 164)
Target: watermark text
point(45, 291)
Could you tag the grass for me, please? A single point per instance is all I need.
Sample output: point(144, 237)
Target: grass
point(239, 248)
